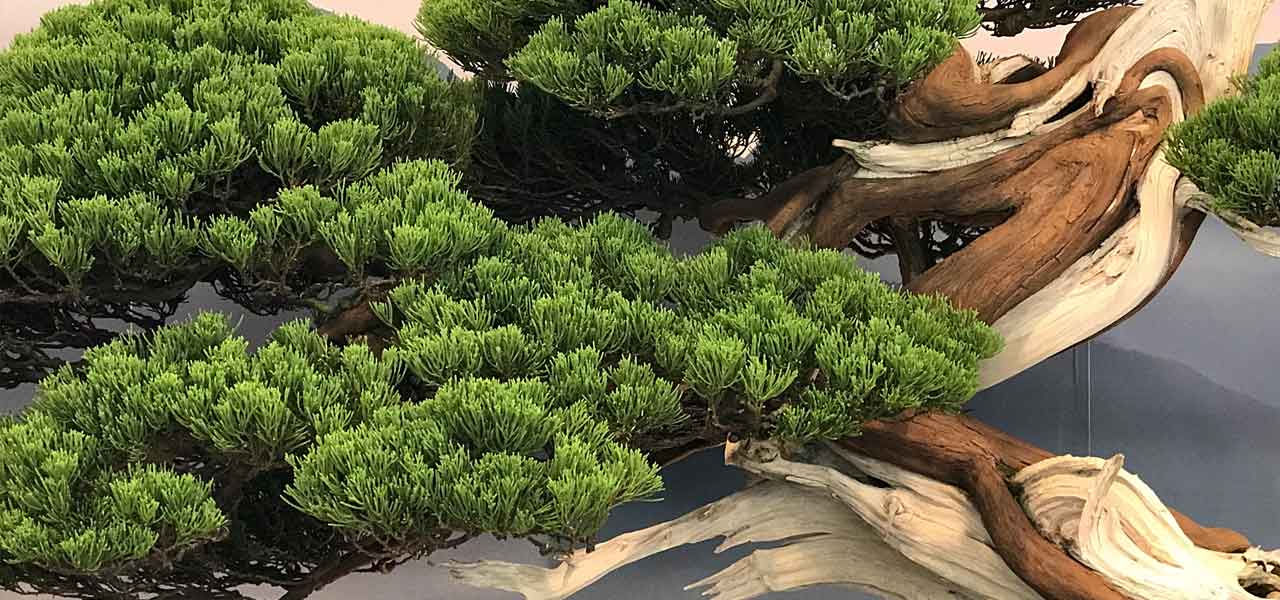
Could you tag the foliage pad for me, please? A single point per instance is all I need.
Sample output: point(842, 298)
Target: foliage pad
point(1231, 149)
point(528, 369)
point(129, 126)
point(696, 55)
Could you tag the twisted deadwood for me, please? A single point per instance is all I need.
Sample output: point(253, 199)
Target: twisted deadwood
point(1067, 190)
point(858, 521)
point(962, 452)
point(1091, 222)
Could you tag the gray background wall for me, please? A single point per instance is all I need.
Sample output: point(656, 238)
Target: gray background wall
point(1185, 389)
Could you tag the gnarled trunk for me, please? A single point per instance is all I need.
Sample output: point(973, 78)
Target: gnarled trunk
point(1089, 222)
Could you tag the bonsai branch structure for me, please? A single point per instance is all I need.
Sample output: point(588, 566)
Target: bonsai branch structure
point(1086, 223)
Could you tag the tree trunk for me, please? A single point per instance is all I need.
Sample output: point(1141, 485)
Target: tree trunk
point(1091, 223)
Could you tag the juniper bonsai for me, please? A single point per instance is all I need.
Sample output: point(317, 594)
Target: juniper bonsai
point(477, 367)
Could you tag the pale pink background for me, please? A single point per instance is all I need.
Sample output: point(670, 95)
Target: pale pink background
point(17, 16)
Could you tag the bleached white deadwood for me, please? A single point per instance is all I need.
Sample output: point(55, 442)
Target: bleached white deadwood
point(1113, 523)
point(917, 516)
point(1263, 239)
point(830, 544)
point(849, 519)
point(1102, 288)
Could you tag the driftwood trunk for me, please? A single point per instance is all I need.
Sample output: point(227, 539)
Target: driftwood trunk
point(1087, 222)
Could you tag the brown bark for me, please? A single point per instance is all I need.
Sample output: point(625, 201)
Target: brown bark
point(976, 458)
point(913, 256)
point(783, 204)
point(952, 101)
point(337, 567)
point(1067, 190)
point(1069, 201)
point(353, 321)
point(1070, 190)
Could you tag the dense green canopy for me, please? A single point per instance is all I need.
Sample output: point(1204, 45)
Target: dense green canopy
point(1231, 149)
point(672, 105)
point(528, 367)
point(131, 128)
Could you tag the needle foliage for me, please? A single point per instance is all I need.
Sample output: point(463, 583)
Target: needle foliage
point(1231, 149)
point(131, 130)
point(527, 372)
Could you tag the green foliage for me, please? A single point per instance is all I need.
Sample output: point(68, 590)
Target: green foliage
point(695, 55)
point(529, 368)
point(120, 463)
point(765, 338)
point(469, 460)
point(133, 131)
point(1231, 149)
point(62, 506)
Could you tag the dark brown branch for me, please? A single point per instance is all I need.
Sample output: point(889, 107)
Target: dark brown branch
point(781, 205)
point(353, 321)
point(335, 568)
point(768, 93)
point(913, 258)
point(963, 192)
point(1011, 17)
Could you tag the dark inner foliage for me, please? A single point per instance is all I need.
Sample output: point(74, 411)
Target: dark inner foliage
point(1011, 17)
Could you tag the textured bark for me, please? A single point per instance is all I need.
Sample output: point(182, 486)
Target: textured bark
point(954, 101)
point(1059, 195)
point(1067, 191)
point(950, 450)
point(352, 321)
point(913, 258)
point(847, 518)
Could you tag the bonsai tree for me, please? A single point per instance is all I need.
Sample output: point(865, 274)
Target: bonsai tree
point(469, 376)
point(1036, 194)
